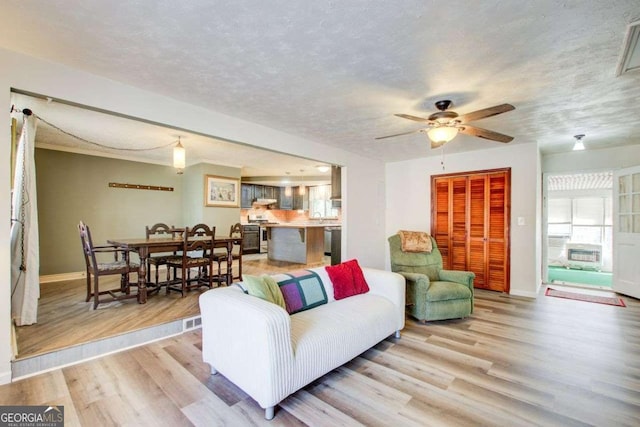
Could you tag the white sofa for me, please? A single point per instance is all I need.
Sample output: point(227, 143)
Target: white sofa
point(269, 354)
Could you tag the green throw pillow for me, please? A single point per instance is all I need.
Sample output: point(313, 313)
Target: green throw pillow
point(264, 287)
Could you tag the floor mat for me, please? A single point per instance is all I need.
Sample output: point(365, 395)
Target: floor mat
point(599, 299)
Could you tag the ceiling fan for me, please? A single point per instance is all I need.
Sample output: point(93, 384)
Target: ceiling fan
point(444, 125)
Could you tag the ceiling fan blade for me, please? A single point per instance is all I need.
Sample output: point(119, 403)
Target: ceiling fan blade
point(414, 118)
point(484, 133)
point(484, 113)
point(400, 134)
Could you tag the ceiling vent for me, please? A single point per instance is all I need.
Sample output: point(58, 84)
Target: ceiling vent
point(630, 59)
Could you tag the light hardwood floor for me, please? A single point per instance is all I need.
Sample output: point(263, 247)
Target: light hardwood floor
point(65, 319)
point(515, 361)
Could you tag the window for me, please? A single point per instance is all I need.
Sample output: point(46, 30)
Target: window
point(320, 204)
point(585, 220)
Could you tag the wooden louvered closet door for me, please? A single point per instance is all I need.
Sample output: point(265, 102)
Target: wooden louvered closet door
point(470, 222)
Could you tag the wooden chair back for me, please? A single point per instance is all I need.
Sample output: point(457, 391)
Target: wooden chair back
point(200, 230)
point(87, 247)
point(237, 232)
point(159, 230)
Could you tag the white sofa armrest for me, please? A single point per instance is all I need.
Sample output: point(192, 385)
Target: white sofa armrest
point(389, 285)
point(248, 340)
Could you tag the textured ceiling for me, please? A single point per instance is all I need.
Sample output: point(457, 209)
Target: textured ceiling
point(336, 72)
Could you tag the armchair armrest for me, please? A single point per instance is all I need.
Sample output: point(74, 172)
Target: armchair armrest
point(462, 277)
point(248, 340)
point(115, 250)
point(416, 287)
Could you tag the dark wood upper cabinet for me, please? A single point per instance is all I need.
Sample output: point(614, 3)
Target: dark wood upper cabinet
point(470, 218)
point(336, 183)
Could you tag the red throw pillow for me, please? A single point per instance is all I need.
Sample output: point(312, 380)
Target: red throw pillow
point(347, 279)
point(359, 281)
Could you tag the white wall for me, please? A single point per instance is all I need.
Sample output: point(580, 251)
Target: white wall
point(363, 232)
point(408, 205)
point(592, 160)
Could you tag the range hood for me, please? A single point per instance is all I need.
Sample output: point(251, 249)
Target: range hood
point(264, 202)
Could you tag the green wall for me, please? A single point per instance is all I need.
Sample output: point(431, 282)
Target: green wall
point(73, 187)
point(193, 198)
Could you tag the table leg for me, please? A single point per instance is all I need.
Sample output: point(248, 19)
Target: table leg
point(143, 254)
point(229, 262)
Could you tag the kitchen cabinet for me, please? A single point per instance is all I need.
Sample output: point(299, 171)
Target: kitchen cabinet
point(285, 202)
point(470, 218)
point(258, 191)
point(269, 192)
point(336, 183)
point(246, 195)
point(251, 239)
point(300, 201)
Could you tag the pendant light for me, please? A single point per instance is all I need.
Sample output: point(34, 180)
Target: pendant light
point(179, 157)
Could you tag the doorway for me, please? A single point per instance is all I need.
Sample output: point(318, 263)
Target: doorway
point(578, 232)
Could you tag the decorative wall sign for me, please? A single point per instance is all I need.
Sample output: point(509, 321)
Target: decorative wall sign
point(220, 191)
point(139, 186)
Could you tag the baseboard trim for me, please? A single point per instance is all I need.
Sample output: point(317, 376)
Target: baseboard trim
point(76, 275)
point(62, 277)
point(5, 377)
point(517, 293)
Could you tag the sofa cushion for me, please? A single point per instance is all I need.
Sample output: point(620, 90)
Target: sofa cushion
point(443, 291)
point(264, 287)
point(347, 279)
point(301, 289)
point(331, 335)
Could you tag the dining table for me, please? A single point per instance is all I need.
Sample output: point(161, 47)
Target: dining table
point(144, 246)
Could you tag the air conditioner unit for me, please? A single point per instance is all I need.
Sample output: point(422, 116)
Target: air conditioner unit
point(584, 256)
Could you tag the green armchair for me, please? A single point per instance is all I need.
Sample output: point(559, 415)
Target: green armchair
point(432, 293)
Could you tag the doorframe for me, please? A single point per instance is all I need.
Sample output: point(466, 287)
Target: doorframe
point(545, 216)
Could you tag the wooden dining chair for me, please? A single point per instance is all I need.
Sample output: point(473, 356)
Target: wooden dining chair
point(159, 230)
point(197, 249)
point(236, 232)
point(97, 269)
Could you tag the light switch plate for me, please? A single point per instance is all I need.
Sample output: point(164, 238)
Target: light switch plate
point(521, 220)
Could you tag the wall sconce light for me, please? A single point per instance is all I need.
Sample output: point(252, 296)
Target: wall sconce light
point(287, 191)
point(578, 145)
point(179, 157)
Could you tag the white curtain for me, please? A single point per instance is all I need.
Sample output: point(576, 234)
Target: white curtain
point(25, 257)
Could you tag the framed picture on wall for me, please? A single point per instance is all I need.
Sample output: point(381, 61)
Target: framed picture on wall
point(222, 192)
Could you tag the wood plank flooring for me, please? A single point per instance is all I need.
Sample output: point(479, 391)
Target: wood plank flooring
point(65, 319)
point(514, 362)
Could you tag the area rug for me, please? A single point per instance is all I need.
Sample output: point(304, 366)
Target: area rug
point(550, 292)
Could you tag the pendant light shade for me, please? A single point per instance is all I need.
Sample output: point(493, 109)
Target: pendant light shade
point(179, 157)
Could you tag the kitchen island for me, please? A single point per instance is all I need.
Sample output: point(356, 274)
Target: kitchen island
point(299, 243)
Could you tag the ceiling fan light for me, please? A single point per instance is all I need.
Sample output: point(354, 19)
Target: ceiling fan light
point(442, 134)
